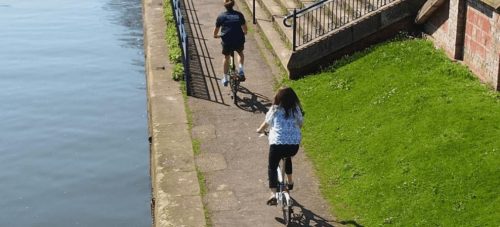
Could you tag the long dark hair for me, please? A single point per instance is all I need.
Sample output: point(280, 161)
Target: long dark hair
point(286, 98)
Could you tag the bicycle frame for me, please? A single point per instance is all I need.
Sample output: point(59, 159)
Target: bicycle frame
point(234, 81)
point(282, 194)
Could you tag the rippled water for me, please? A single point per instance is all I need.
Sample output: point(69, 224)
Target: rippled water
point(73, 131)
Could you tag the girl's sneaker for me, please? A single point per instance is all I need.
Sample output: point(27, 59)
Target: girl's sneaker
point(225, 80)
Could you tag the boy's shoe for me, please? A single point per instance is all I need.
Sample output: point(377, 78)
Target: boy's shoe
point(290, 186)
point(272, 201)
point(225, 80)
point(241, 74)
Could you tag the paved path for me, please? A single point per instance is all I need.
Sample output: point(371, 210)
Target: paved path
point(233, 157)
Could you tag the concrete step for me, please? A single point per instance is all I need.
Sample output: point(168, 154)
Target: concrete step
point(269, 21)
point(349, 10)
point(289, 5)
point(340, 13)
point(332, 15)
point(306, 3)
point(313, 26)
point(276, 12)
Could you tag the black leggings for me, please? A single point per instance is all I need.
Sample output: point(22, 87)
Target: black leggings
point(276, 153)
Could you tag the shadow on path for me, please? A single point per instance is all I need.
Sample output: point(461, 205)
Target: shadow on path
point(252, 102)
point(304, 217)
point(204, 84)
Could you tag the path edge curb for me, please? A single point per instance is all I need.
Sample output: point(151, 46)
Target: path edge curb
point(176, 199)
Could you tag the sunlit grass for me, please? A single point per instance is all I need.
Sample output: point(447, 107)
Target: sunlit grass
point(401, 135)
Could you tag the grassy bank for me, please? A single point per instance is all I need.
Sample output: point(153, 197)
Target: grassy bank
point(172, 39)
point(400, 135)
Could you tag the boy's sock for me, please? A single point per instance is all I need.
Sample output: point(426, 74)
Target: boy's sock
point(241, 69)
point(241, 73)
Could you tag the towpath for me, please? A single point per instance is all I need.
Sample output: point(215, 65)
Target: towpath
point(233, 157)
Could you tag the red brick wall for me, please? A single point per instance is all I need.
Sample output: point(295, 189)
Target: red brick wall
point(438, 27)
point(481, 49)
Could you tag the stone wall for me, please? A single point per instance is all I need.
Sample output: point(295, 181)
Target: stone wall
point(469, 30)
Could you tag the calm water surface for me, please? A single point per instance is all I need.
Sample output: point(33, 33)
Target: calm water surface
point(73, 131)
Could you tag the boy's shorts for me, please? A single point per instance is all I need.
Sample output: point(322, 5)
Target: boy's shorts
point(228, 48)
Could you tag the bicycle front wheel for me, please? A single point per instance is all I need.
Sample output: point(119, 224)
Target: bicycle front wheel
point(287, 214)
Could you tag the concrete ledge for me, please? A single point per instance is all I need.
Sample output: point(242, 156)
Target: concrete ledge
point(427, 9)
point(175, 190)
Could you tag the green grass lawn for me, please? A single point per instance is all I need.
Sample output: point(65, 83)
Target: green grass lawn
point(399, 135)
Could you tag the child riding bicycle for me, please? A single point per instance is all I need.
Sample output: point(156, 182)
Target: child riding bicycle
point(233, 29)
point(285, 119)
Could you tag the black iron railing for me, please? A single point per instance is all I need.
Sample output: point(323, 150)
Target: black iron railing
point(254, 20)
point(325, 16)
point(183, 40)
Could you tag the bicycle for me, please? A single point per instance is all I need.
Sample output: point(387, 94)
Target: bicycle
point(234, 79)
point(282, 195)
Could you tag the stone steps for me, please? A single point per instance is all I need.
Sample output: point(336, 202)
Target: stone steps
point(273, 30)
point(289, 5)
point(312, 26)
point(275, 13)
point(270, 14)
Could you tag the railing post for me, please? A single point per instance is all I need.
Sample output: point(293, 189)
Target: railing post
point(294, 42)
point(254, 20)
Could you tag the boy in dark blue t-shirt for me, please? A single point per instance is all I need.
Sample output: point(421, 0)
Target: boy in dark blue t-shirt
point(233, 29)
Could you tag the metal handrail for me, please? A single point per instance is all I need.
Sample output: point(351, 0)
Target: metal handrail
point(322, 17)
point(295, 13)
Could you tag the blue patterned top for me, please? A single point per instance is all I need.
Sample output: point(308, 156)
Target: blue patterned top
point(284, 130)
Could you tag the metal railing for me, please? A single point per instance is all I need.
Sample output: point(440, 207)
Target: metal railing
point(254, 20)
point(325, 16)
point(183, 40)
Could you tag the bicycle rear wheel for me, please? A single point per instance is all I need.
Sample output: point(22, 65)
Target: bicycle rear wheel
point(287, 199)
point(235, 84)
point(287, 214)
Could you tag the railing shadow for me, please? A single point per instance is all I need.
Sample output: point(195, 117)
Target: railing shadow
point(252, 102)
point(204, 84)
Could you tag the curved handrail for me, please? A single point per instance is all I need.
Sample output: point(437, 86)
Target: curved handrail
point(301, 11)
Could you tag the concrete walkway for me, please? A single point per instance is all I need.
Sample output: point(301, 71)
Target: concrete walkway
point(233, 157)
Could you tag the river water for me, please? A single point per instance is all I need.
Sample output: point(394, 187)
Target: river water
point(73, 116)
